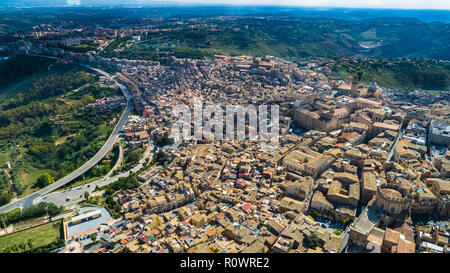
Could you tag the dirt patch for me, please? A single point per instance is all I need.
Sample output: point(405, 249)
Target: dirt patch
point(23, 175)
point(63, 139)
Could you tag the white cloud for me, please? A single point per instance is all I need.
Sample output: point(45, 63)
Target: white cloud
point(74, 2)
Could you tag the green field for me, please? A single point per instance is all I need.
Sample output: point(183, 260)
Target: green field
point(28, 176)
point(82, 48)
point(42, 235)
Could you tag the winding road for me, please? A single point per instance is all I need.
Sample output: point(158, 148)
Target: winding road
point(28, 201)
point(73, 196)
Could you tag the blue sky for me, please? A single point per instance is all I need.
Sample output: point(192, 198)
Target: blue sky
point(402, 4)
point(397, 4)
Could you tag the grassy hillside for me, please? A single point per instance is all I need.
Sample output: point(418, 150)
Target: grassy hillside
point(406, 74)
point(299, 38)
point(45, 128)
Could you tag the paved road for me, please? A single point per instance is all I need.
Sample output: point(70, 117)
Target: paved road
point(28, 201)
point(399, 137)
point(43, 56)
point(73, 196)
point(118, 162)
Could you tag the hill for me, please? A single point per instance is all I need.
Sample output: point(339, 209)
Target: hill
point(299, 38)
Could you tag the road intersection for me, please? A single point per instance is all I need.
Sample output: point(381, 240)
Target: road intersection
point(72, 196)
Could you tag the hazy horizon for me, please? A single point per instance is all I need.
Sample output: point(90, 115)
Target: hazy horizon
point(370, 4)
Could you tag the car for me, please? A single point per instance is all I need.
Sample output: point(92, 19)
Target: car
point(68, 199)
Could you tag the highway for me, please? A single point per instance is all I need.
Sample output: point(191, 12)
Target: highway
point(28, 201)
point(75, 195)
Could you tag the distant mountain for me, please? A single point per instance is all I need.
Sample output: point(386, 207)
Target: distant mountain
point(217, 10)
point(281, 31)
point(302, 37)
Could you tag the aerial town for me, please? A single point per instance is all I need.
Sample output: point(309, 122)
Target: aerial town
point(358, 167)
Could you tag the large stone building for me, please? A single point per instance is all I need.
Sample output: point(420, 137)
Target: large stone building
point(441, 189)
point(369, 187)
point(315, 121)
point(394, 202)
point(439, 133)
point(444, 206)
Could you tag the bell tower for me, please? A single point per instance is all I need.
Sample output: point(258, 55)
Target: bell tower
point(354, 91)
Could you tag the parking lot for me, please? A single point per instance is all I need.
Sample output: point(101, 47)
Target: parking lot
point(329, 225)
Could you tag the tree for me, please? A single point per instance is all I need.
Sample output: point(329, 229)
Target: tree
point(30, 244)
point(87, 99)
point(160, 157)
point(45, 128)
point(5, 198)
point(86, 194)
point(313, 241)
point(45, 180)
point(22, 246)
point(34, 211)
point(94, 237)
point(346, 220)
point(360, 75)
